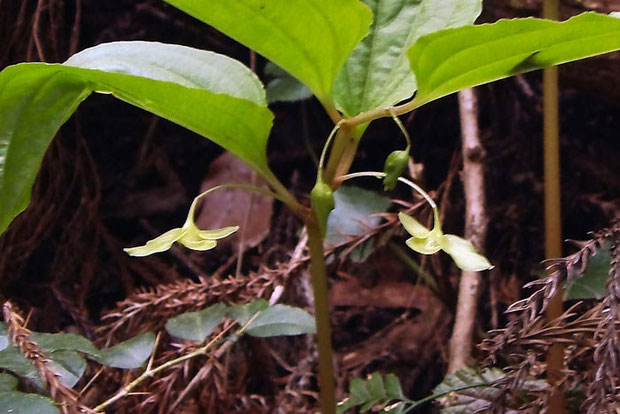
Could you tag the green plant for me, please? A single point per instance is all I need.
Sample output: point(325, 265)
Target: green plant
point(55, 362)
point(468, 391)
point(357, 67)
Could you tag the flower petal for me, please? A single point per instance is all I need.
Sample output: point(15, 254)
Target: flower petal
point(413, 226)
point(217, 233)
point(423, 245)
point(192, 234)
point(200, 245)
point(464, 254)
point(158, 244)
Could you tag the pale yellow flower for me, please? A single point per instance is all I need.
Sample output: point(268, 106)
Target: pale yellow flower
point(427, 241)
point(189, 236)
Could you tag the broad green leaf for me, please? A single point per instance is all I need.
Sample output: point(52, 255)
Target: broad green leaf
point(310, 39)
point(592, 283)
point(376, 386)
point(469, 390)
point(7, 382)
point(359, 390)
point(359, 395)
point(49, 343)
point(15, 402)
point(278, 320)
point(196, 326)
point(69, 366)
point(185, 66)
point(354, 214)
point(130, 354)
point(450, 60)
point(12, 360)
point(375, 391)
point(207, 93)
point(393, 387)
point(284, 87)
point(377, 73)
point(361, 252)
point(287, 89)
point(243, 313)
point(343, 406)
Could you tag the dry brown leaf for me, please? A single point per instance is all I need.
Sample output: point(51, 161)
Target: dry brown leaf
point(229, 207)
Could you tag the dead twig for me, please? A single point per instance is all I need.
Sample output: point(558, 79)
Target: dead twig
point(475, 229)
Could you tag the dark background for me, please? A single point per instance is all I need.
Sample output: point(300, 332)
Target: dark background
point(116, 176)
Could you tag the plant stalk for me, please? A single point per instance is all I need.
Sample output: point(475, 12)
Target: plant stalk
point(348, 156)
point(321, 313)
point(342, 141)
point(553, 223)
point(284, 195)
point(380, 175)
point(475, 230)
point(343, 154)
point(366, 117)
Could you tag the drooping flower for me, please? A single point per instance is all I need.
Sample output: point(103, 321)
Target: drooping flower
point(427, 241)
point(189, 236)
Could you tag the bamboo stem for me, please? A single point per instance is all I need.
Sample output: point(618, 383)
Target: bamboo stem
point(553, 226)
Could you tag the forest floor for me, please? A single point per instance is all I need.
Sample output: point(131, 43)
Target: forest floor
point(116, 177)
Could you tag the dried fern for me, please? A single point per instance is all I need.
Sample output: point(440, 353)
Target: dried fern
point(590, 335)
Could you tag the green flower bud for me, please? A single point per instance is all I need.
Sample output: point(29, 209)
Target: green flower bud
point(395, 165)
point(322, 200)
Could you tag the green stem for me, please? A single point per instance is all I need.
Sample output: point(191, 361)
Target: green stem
point(330, 108)
point(347, 158)
point(333, 114)
point(324, 151)
point(285, 196)
point(247, 187)
point(321, 313)
point(402, 129)
point(368, 116)
point(342, 141)
point(279, 193)
point(381, 175)
point(416, 404)
point(344, 151)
